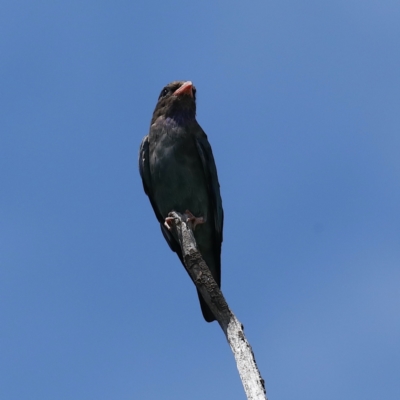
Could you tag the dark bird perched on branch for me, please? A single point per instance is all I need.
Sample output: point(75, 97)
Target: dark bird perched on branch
point(179, 174)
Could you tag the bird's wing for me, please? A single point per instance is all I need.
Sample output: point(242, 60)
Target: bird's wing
point(144, 166)
point(210, 170)
point(144, 169)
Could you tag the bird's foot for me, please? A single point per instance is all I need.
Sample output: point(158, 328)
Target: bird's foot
point(194, 220)
point(168, 222)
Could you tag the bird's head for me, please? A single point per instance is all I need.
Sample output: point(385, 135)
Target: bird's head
point(177, 100)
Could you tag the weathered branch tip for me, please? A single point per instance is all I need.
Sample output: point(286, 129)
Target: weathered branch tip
point(198, 270)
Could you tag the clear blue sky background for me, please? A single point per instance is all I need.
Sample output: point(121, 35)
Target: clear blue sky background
point(301, 103)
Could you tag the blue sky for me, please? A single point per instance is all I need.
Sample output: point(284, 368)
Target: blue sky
point(300, 101)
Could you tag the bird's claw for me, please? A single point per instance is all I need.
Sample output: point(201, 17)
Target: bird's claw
point(194, 220)
point(168, 222)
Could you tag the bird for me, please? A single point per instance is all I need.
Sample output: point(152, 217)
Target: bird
point(178, 172)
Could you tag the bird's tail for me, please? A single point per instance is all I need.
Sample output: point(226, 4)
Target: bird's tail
point(215, 270)
point(207, 313)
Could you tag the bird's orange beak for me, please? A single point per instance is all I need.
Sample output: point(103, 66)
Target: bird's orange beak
point(186, 88)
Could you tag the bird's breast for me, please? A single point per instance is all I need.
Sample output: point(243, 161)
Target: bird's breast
point(177, 172)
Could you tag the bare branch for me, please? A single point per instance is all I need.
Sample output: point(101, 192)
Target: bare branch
point(199, 272)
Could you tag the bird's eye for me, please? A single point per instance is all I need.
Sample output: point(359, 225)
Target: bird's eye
point(164, 92)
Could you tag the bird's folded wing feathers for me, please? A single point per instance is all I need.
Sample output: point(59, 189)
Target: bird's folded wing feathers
point(144, 169)
point(210, 170)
